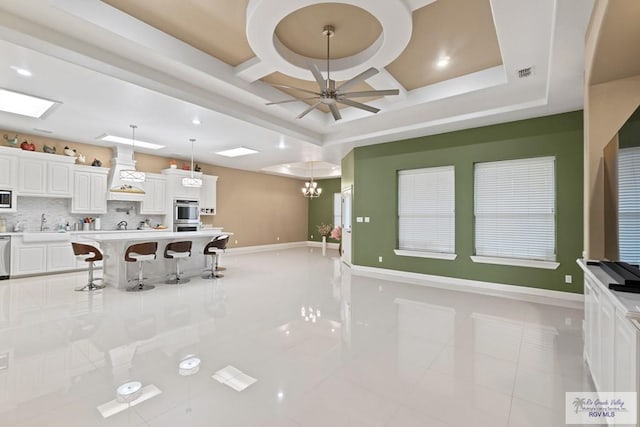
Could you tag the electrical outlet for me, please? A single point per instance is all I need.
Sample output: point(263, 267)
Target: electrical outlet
point(379, 259)
point(568, 278)
point(278, 238)
point(236, 242)
point(312, 237)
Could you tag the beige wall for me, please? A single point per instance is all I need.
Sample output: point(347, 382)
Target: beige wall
point(256, 207)
point(607, 107)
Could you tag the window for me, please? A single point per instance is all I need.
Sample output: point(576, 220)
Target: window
point(337, 210)
point(629, 204)
point(515, 212)
point(426, 212)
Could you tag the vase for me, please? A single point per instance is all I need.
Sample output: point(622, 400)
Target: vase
point(324, 245)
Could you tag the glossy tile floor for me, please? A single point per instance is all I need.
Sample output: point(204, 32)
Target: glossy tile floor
point(379, 353)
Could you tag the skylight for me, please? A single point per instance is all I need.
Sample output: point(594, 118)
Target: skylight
point(24, 105)
point(236, 152)
point(127, 141)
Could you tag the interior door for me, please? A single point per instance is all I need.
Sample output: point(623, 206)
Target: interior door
point(346, 225)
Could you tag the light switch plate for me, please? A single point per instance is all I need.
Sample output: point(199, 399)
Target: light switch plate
point(367, 219)
point(358, 219)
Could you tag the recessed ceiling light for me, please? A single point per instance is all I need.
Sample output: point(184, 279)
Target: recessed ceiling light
point(128, 141)
point(281, 145)
point(25, 105)
point(236, 152)
point(21, 71)
point(443, 61)
point(195, 121)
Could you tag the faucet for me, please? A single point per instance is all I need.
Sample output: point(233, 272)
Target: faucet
point(43, 222)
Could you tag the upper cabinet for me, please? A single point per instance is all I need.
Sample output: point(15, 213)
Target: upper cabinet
point(208, 195)
point(175, 189)
point(44, 175)
point(8, 168)
point(89, 190)
point(155, 195)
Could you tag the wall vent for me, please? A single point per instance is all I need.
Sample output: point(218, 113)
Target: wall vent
point(525, 72)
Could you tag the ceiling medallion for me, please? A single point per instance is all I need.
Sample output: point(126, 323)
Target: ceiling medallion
point(263, 16)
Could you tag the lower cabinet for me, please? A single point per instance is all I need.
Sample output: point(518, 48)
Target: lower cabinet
point(43, 257)
point(610, 342)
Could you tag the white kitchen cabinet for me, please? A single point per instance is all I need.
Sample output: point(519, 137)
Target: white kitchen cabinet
point(626, 350)
point(60, 257)
point(45, 175)
point(208, 195)
point(154, 201)
point(8, 168)
point(606, 323)
point(89, 190)
point(591, 328)
point(28, 258)
point(175, 189)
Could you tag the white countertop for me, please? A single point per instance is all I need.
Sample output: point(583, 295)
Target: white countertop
point(627, 302)
point(159, 235)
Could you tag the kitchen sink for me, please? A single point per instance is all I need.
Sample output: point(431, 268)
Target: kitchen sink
point(45, 236)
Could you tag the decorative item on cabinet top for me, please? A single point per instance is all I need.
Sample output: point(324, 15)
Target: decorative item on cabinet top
point(13, 142)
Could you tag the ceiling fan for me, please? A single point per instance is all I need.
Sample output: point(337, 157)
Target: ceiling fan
point(329, 94)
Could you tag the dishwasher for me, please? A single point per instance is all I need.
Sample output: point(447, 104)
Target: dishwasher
point(5, 257)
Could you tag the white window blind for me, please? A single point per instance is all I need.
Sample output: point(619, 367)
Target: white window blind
point(629, 204)
point(515, 209)
point(426, 209)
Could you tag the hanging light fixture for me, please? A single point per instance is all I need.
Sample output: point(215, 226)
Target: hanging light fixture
point(191, 181)
point(311, 188)
point(132, 175)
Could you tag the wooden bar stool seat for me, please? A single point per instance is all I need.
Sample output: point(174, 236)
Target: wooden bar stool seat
point(178, 251)
point(90, 254)
point(141, 253)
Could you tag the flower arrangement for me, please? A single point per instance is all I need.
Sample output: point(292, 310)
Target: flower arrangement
point(336, 233)
point(324, 229)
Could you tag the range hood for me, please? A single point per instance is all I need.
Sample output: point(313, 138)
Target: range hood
point(123, 190)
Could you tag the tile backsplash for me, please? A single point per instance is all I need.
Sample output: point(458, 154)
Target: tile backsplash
point(58, 211)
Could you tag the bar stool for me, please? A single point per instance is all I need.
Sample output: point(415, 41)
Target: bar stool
point(213, 249)
point(177, 251)
point(90, 254)
point(141, 252)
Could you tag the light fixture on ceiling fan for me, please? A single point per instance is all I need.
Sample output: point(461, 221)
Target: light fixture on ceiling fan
point(329, 94)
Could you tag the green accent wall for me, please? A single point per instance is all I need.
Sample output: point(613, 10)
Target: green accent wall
point(375, 195)
point(629, 135)
point(321, 208)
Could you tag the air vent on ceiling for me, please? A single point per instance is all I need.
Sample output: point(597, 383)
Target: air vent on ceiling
point(525, 72)
point(42, 130)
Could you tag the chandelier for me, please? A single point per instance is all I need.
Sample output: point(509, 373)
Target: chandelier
point(311, 188)
point(132, 175)
point(191, 181)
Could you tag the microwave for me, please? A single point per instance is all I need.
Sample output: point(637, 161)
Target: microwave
point(6, 201)
point(186, 212)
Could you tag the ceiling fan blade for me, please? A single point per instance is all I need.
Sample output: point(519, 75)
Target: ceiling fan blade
point(318, 76)
point(366, 93)
point(360, 77)
point(296, 88)
point(357, 105)
point(308, 110)
point(335, 111)
point(292, 100)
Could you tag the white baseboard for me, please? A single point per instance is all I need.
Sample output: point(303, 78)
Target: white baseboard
point(278, 247)
point(265, 248)
point(543, 296)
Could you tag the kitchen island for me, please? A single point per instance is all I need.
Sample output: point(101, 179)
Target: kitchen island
point(117, 272)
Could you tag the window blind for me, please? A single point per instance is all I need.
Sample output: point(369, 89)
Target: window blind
point(515, 209)
point(337, 210)
point(629, 204)
point(426, 209)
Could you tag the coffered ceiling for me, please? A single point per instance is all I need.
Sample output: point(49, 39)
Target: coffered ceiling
point(161, 63)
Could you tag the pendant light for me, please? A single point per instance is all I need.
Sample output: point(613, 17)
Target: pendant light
point(311, 188)
point(191, 181)
point(132, 175)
